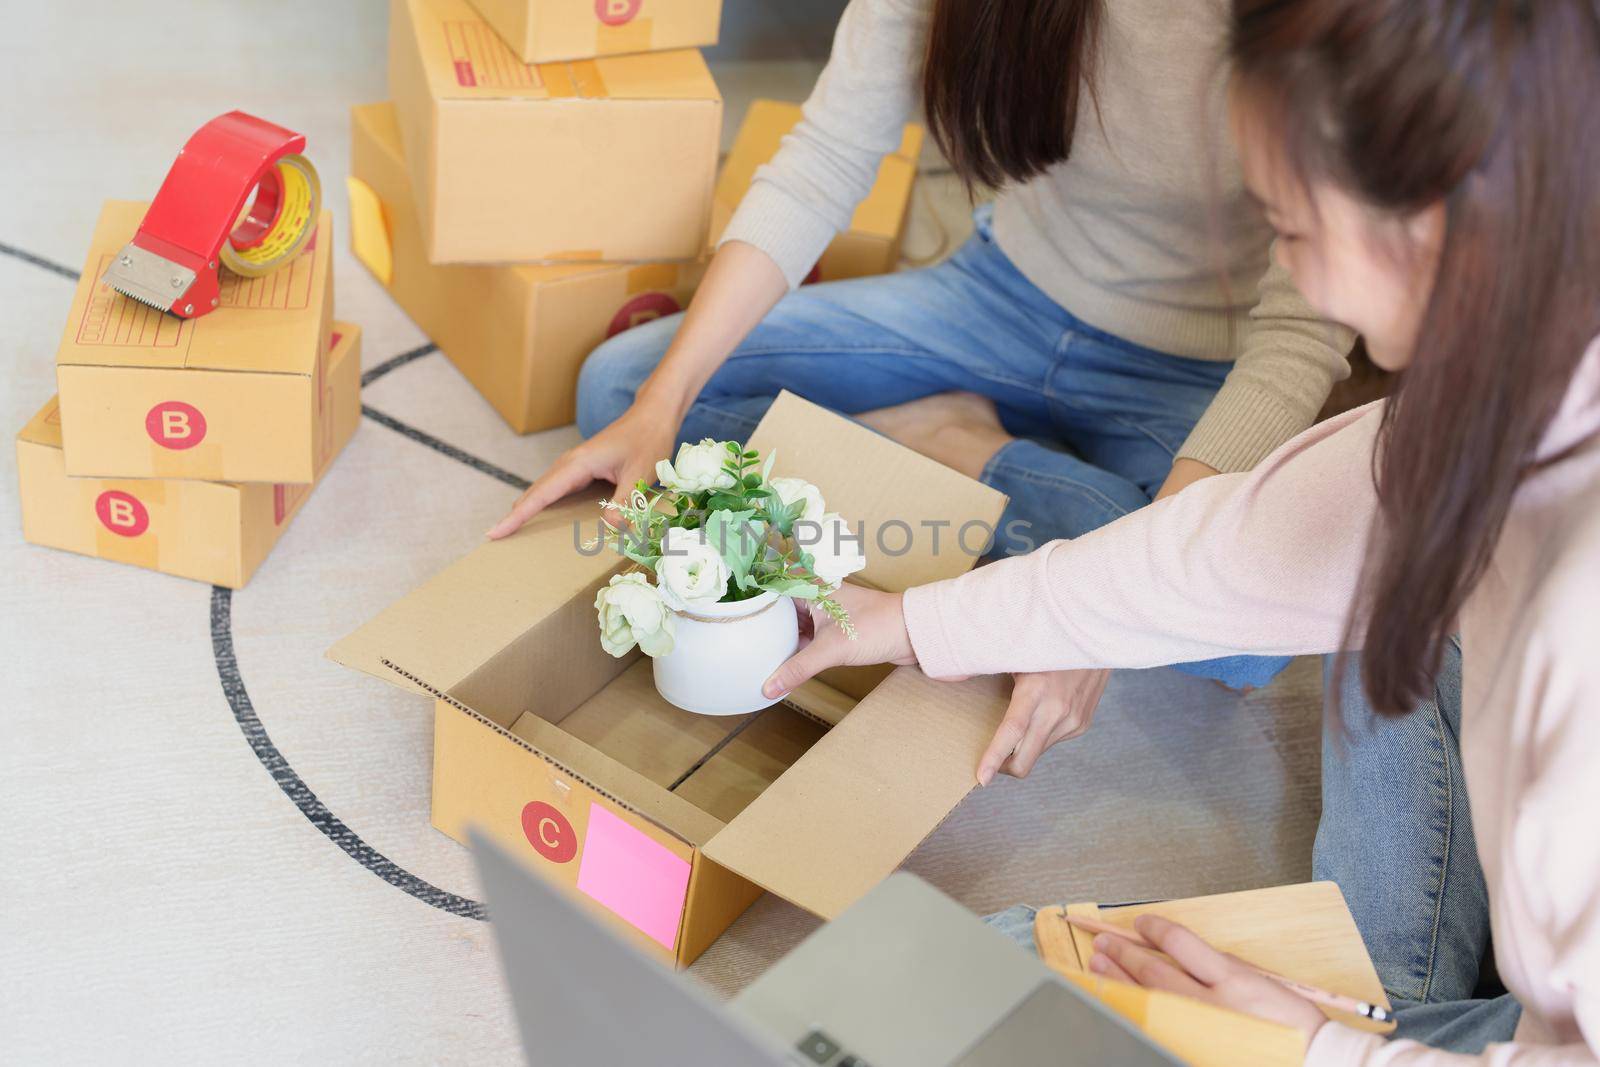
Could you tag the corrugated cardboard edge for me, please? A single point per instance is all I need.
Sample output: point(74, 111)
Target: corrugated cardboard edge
point(716, 898)
point(486, 577)
point(690, 825)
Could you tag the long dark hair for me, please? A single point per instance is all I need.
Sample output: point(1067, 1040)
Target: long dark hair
point(1491, 107)
point(1002, 83)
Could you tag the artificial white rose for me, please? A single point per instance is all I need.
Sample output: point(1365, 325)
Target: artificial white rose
point(632, 612)
point(836, 550)
point(691, 569)
point(791, 489)
point(697, 468)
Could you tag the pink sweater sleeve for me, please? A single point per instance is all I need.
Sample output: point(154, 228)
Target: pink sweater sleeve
point(1261, 562)
point(1341, 1046)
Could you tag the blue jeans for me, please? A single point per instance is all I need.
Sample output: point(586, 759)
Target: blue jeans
point(1097, 419)
point(1396, 835)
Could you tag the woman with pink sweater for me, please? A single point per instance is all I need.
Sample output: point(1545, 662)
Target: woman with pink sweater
point(1432, 168)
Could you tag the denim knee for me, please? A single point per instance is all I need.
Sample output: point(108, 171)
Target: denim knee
point(612, 374)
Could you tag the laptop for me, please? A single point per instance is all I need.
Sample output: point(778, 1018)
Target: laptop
point(904, 978)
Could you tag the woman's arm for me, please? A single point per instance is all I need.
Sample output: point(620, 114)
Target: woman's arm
point(855, 115)
point(1265, 562)
point(1290, 360)
point(797, 202)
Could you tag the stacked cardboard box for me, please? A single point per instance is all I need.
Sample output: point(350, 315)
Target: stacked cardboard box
point(539, 31)
point(608, 159)
point(187, 445)
point(520, 332)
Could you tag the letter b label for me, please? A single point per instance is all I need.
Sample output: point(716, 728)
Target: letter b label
point(616, 12)
point(121, 513)
point(175, 425)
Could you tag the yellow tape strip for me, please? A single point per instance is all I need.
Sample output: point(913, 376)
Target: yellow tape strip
point(650, 276)
point(591, 86)
point(558, 79)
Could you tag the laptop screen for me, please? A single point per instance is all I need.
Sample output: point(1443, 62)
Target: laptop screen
point(1052, 1025)
point(582, 995)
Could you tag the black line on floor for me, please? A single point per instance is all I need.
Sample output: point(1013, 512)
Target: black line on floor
point(38, 261)
point(483, 465)
point(368, 377)
point(295, 787)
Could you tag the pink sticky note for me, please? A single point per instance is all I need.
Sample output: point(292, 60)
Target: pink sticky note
point(634, 876)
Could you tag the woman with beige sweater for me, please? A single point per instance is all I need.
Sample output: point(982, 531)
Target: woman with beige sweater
point(1092, 346)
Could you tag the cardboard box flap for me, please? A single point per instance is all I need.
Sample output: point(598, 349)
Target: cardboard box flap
point(766, 123)
point(617, 782)
point(445, 628)
point(852, 808)
point(466, 59)
point(266, 325)
point(920, 521)
point(45, 427)
point(884, 208)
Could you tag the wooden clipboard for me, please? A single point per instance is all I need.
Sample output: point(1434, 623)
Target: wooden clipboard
point(1301, 931)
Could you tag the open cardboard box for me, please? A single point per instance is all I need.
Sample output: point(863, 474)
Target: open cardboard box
point(234, 395)
point(871, 244)
point(602, 159)
point(539, 31)
point(518, 332)
point(673, 823)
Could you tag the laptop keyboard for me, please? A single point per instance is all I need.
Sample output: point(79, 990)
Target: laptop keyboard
point(822, 1050)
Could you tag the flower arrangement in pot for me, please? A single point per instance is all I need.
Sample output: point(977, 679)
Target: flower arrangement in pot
point(722, 549)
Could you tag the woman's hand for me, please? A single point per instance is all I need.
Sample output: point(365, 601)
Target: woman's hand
point(1184, 473)
point(622, 453)
point(740, 286)
point(1045, 708)
point(880, 624)
point(1200, 971)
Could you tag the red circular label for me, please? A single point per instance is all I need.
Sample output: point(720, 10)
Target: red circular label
point(814, 275)
point(175, 425)
point(642, 309)
point(121, 513)
point(616, 12)
point(549, 832)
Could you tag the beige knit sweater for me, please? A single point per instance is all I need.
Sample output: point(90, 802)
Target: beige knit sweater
point(1146, 231)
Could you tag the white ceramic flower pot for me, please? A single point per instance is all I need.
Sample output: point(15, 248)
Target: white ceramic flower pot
point(722, 653)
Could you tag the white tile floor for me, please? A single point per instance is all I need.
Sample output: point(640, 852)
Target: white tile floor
point(163, 899)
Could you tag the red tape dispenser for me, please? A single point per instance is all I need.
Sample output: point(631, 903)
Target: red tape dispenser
point(239, 194)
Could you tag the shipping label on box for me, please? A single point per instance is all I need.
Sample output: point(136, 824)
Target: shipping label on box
point(518, 333)
point(609, 159)
point(669, 823)
point(540, 31)
point(872, 243)
point(217, 532)
point(232, 395)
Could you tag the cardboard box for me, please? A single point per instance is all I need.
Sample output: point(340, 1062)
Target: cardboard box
point(217, 532)
point(518, 333)
point(607, 159)
point(872, 243)
point(666, 821)
point(233, 395)
point(539, 31)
